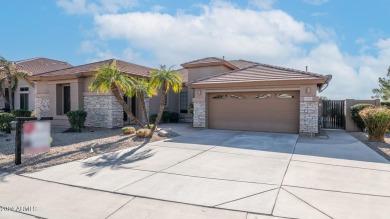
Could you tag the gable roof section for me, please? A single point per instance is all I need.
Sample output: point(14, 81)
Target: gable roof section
point(260, 73)
point(208, 61)
point(242, 63)
point(89, 69)
point(40, 65)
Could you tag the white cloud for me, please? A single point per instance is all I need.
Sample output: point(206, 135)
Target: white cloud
point(95, 6)
point(316, 2)
point(221, 29)
point(97, 49)
point(217, 31)
point(262, 4)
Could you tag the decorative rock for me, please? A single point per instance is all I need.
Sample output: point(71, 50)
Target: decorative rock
point(163, 133)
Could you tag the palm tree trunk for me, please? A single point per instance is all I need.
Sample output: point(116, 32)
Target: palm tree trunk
point(142, 96)
point(162, 101)
point(126, 108)
point(10, 96)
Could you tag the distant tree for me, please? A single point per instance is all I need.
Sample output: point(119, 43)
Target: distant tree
point(9, 78)
point(323, 98)
point(383, 92)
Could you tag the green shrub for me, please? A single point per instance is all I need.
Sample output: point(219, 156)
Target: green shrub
point(5, 119)
point(76, 119)
point(165, 116)
point(385, 104)
point(128, 130)
point(355, 109)
point(21, 113)
point(144, 133)
point(153, 118)
point(174, 117)
point(377, 121)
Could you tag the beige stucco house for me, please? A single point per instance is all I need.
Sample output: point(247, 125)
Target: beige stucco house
point(24, 97)
point(60, 91)
point(217, 94)
point(243, 95)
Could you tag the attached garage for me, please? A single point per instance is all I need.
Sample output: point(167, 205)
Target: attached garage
point(276, 111)
point(256, 97)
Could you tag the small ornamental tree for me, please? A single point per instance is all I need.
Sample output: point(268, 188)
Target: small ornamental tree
point(377, 121)
point(355, 109)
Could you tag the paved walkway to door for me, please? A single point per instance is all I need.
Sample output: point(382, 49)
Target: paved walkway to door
point(213, 174)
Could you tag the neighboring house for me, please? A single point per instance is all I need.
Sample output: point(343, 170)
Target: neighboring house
point(219, 94)
point(24, 97)
point(242, 95)
point(63, 90)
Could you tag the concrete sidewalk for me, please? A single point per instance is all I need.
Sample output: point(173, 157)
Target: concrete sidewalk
point(214, 174)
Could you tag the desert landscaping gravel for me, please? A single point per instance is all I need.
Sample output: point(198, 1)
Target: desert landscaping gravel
point(380, 147)
point(67, 147)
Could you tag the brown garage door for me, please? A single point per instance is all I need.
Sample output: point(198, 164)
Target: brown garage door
point(254, 111)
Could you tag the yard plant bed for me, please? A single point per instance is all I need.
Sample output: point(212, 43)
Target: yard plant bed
point(67, 147)
point(380, 147)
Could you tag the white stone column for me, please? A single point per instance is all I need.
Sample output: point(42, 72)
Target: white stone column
point(199, 120)
point(42, 107)
point(308, 123)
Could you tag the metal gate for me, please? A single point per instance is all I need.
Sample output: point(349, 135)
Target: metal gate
point(333, 114)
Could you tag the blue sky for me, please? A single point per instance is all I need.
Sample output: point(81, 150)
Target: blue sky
point(348, 39)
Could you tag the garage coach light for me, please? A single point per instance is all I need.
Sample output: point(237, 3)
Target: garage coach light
point(308, 90)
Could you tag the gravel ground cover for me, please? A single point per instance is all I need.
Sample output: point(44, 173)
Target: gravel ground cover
point(67, 147)
point(380, 147)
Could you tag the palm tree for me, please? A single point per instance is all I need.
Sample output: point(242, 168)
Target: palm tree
point(141, 88)
point(110, 78)
point(165, 79)
point(9, 78)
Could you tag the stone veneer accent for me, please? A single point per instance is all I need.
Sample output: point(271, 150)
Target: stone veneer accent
point(199, 120)
point(103, 111)
point(42, 107)
point(308, 117)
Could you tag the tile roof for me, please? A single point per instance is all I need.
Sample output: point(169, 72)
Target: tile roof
point(204, 61)
point(121, 65)
point(40, 65)
point(261, 72)
point(242, 63)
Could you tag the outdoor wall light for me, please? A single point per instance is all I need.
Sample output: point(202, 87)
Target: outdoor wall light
point(308, 90)
point(199, 92)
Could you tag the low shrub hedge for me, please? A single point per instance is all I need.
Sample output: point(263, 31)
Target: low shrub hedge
point(355, 109)
point(166, 115)
point(153, 118)
point(21, 113)
point(385, 104)
point(5, 119)
point(76, 119)
point(377, 121)
point(174, 117)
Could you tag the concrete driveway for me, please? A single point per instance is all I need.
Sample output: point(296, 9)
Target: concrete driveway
point(211, 174)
